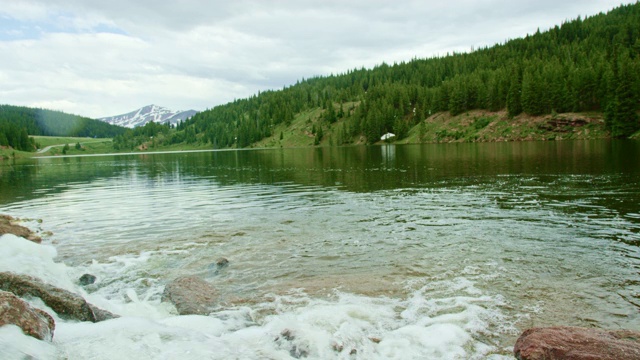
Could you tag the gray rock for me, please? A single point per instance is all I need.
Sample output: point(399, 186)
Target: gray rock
point(87, 279)
point(191, 295)
point(33, 322)
point(100, 314)
point(222, 262)
point(65, 303)
point(575, 343)
point(216, 267)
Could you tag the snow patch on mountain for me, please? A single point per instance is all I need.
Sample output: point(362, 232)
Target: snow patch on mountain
point(148, 113)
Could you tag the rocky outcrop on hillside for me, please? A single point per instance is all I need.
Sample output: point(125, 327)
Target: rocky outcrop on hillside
point(574, 343)
point(65, 303)
point(33, 322)
point(191, 295)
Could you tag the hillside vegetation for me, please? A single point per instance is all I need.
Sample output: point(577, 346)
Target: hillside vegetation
point(577, 80)
point(587, 65)
point(17, 123)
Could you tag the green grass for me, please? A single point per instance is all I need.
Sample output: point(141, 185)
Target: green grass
point(8, 154)
point(298, 134)
point(87, 145)
point(58, 140)
point(93, 147)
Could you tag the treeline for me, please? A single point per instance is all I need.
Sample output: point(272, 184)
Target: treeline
point(18, 122)
point(581, 65)
point(159, 134)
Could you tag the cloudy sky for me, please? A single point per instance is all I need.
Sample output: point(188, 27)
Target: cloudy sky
point(98, 58)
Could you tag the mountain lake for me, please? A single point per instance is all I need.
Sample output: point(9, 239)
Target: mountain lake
point(439, 251)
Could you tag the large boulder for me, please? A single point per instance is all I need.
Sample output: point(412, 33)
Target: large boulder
point(8, 226)
point(33, 322)
point(65, 303)
point(574, 343)
point(191, 295)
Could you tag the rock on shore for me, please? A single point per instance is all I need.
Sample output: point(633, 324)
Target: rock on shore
point(8, 226)
point(574, 343)
point(191, 295)
point(33, 322)
point(63, 302)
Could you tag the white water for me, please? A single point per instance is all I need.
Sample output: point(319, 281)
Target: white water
point(426, 324)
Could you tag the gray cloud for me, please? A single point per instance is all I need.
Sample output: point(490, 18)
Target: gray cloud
point(100, 58)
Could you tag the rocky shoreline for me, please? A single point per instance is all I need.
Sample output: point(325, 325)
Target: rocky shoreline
point(15, 288)
point(191, 295)
point(9, 225)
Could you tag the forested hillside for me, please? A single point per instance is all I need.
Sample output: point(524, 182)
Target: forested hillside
point(583, 65)
point(588, 66)
point(18, 122)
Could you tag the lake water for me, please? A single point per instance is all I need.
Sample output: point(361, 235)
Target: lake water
point(442, 251)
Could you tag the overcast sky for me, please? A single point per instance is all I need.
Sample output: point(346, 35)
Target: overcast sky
point(107, 57)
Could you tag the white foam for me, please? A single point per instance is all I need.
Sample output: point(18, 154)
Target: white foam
point(22, 256)
point(16, 345)
point(318, 329)
point(295, 325)
point(442, 320)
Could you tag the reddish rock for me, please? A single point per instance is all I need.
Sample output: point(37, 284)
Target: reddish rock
point(33, 322)
point(191, 295)
point(8, 226)
point(574, 343)
point(65, 303)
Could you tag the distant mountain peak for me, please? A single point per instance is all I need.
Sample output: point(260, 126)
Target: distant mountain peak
point(148, 113)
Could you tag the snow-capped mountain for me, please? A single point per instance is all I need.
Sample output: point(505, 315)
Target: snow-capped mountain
point(148, 113)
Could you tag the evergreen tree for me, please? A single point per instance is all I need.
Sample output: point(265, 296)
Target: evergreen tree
point(624, 113)
point(319, 136)
point(514, 104)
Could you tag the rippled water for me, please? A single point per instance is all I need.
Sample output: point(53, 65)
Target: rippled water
point(437, 251)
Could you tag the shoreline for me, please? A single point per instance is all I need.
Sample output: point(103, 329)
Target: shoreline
point(437, 129)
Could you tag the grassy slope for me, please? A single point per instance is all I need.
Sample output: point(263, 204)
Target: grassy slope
point(478, 125)
point(485, 126)
point(88, 146)
point(472, 126)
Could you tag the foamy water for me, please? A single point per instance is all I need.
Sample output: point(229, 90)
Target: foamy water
point(430, 322)
point(442, 267)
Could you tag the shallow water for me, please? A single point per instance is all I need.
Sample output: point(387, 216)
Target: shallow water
point(434, 251)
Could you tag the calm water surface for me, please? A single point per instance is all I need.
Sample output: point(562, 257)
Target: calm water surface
point(438, 251)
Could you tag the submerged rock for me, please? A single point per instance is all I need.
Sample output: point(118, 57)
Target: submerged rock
point(33, 322)
point(191, 295)
point(287, 340)
point(574, 343)
point(87, 279)
point(222, 262)
point(63, 302)
point(216, 267)
point(8, 226)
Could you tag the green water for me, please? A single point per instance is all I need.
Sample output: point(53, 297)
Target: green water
point(543, 233)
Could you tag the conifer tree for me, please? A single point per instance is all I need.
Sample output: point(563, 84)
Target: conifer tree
point(514, 104)
point(624, 121)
